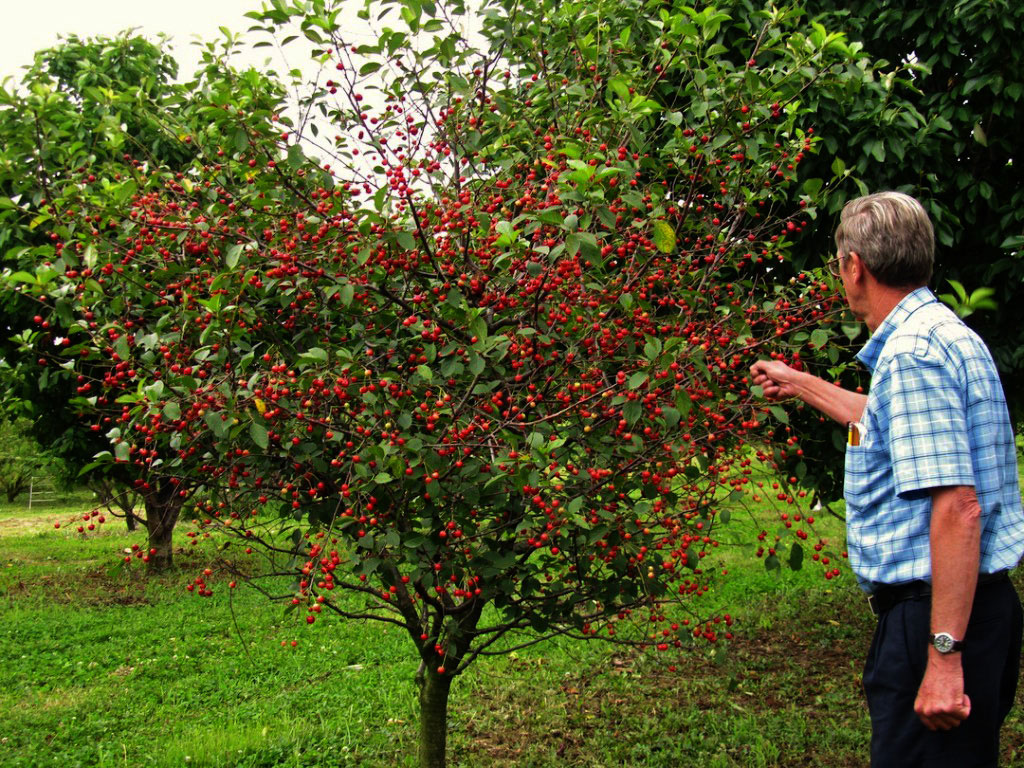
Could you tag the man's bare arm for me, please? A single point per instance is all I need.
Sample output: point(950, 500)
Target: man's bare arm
point(779, 382)
point(955, 553)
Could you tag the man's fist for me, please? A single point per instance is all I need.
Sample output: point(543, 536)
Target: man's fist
point(777, 379)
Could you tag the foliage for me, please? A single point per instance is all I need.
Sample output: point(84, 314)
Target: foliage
point(947, 131)
point(82, 101)
point(964, 305)
point(933, 112)
point(486, 370)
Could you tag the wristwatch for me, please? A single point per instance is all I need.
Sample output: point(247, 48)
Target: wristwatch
point(943, 642)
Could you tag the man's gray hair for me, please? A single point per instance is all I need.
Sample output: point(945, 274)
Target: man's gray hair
point(893, 236)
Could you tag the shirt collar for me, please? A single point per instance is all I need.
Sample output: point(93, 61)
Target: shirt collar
point(909, 304)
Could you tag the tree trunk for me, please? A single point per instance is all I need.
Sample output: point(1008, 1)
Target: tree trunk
point(15, 485)
point(434, 690)
point(111, 493)
point(162, 509)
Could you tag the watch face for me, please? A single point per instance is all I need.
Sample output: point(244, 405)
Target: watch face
point(943, 642)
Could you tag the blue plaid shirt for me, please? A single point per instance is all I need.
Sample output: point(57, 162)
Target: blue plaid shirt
point(935, 416)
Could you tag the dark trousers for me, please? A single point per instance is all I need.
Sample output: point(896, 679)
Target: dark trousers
point(895, 667)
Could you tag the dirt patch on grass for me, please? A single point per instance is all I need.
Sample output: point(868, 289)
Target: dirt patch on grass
point(797, 685)
point(801, 670)
point(26, 525)
point(87, 586)
point(98, 581)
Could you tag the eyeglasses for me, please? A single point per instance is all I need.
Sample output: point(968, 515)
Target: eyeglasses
point(834, 265)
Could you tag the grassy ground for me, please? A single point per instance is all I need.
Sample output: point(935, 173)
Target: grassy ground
point(104, 668)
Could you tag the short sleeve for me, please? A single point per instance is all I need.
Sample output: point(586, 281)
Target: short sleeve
point(928, 439)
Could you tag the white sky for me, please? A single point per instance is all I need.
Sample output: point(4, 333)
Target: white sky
point(34, 25)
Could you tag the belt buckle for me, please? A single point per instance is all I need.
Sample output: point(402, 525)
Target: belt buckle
point(873, 604)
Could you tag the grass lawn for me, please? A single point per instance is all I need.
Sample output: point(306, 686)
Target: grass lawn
point(108, 668)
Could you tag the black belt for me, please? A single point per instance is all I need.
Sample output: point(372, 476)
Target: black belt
point(885, 597)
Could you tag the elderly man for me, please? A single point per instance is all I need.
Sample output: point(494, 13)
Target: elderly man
point(934, 518)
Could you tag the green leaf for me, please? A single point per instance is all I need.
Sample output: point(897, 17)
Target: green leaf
point(796, 556)
point(671, 416)
point(652, 348)
point(232, 255)
point(631, 411)
point(618, 86)
point(779, 413)
point(819, 338)
point(22, 277)
point(217, 425)
point(259, 434)
point(346, 294)
point(664, 236)
point(637, 379)
point(296, 159)
point(317, 354)
point(172, 411)
point(979, 135)
point(812, 187)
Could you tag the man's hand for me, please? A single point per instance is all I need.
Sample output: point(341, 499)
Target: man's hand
point(941, 702)
point(777, 379)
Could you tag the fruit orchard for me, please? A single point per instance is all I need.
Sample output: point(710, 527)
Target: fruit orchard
point(463, 349)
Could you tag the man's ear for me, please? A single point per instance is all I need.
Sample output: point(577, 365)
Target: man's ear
point(856, 267)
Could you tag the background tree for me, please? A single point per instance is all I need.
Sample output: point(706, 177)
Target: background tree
point(104, 113)
point(22, 459)
point(83, 102)
point(932, 114)
point(939, 119)
point(965, 162)
point(947, 130)
point(482, 377)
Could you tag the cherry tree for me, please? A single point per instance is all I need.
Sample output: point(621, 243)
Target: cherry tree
point(91, 122)
point(462, 347)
